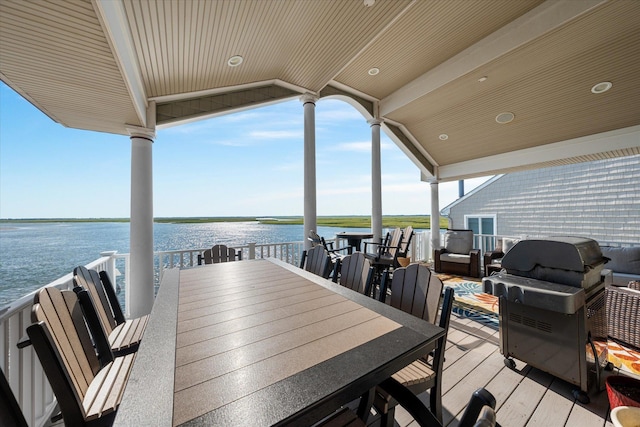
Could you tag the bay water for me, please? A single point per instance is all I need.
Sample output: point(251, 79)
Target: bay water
point(34, 254)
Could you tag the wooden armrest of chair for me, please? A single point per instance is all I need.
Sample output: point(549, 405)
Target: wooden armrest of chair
point(383, 241)
point(23, 342)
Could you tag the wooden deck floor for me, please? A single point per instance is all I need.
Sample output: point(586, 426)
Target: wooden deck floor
point(525, 396)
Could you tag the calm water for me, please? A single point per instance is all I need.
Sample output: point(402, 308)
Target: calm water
point(33, 255)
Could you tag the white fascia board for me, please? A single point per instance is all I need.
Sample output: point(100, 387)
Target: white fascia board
point(544, 18)
point(619, 139)
point(112, 16)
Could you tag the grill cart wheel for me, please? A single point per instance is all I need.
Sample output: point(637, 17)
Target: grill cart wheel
point(581, 396)
point(510, 363)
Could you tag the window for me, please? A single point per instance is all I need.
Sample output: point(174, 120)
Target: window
point(484, 225)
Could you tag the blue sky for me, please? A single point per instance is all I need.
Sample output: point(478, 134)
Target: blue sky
point(243, 164)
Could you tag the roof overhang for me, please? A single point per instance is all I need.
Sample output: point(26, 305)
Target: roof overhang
point(446, 70)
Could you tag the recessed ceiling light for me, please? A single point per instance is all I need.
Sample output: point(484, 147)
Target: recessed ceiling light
point(504, 118)
point(369, 3)
point(601, 87)
point(443, 137)
point(235, 60)
point(483, 79)
point(374, 71)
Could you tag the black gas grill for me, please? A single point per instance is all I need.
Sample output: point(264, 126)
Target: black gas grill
point(552, 308)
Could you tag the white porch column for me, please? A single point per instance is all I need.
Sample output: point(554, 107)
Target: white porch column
point(435, 217)
point(376, 181)
point(310, 213)
point(140, 295)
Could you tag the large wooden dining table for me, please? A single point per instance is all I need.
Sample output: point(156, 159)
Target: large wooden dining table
point(262, 342)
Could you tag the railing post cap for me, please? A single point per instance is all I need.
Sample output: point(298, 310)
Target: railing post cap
point(108, 253)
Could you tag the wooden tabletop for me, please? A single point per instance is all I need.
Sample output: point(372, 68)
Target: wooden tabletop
point(262, 343)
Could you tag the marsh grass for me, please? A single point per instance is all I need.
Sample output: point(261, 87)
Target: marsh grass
point(358, 221)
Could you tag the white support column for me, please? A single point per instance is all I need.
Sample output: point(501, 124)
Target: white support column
point(310, 213)
point(376, 181)
point(140, 294)
point(435, 217)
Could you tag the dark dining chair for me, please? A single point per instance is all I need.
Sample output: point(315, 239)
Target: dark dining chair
point(10, 412)
point(124, 335)
point(317, 261)
point(480, 411)
point(354, 272)
point(88, 390)
point(415, 290)
point(219, 253)
point(335, 253)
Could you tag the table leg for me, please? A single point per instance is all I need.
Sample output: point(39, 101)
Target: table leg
point(354, 243)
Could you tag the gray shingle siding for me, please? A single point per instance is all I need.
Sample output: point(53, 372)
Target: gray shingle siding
point(599, 199)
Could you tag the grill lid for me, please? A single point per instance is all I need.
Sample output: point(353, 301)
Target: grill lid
point(563, 259)
point(564, 252)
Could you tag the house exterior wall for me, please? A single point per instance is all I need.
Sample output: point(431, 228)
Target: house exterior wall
point(599, 200)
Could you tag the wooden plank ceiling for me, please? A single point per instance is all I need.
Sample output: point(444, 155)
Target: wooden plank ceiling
point(96, 65)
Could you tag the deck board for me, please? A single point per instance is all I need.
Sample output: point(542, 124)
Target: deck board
point(525, 396)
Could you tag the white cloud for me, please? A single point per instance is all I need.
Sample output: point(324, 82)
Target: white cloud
point(360, 147)
point(276, 134)
point(338, 114)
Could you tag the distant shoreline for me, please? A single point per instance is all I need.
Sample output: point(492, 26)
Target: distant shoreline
point(356, 221)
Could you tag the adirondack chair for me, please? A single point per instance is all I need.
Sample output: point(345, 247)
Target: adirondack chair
point(124, 335)
point(354, 272)
point(405, 245)
point(88, 390)
point(317, 240)
point(317, 261)
point(386, 253)
point(10, 412)
point(415, 290)
point(219, 253)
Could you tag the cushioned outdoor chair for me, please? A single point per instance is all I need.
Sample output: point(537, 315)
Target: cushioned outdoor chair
point(457, 255)
point(623, 313)
point(492, 259)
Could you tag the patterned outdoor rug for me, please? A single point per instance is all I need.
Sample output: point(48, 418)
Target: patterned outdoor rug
point(471, 302)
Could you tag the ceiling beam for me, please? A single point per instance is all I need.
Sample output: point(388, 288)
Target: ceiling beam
point(113, 19)
point(546, 17)
point(615, 140)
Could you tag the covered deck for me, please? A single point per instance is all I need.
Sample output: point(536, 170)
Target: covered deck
point(464, 88)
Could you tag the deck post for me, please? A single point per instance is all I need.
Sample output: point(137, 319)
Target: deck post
point(376, 181)
point(309, 103)
point(140, 294)
point(435, 217)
